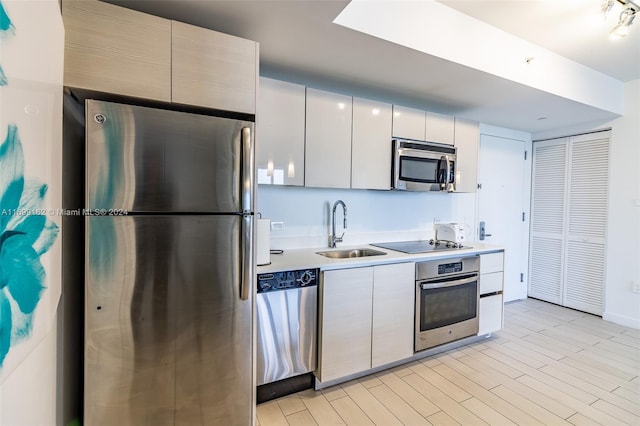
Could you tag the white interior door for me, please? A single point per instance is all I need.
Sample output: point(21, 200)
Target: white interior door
point(501, 203)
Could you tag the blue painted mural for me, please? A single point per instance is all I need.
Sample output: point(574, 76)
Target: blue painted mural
point(6, 29)
point(25, 235)
point(6, 26)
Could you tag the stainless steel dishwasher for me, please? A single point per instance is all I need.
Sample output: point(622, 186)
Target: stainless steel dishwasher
point(286, 306)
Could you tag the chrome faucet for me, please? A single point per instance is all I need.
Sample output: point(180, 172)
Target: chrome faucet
point(335, 239)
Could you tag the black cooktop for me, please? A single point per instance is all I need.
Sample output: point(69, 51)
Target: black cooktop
point(425, 246)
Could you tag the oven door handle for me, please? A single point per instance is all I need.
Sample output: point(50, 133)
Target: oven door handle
point(449, 283)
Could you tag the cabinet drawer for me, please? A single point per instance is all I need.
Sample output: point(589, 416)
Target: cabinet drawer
point(490, 317)
point(492, 262)
point(491, 283)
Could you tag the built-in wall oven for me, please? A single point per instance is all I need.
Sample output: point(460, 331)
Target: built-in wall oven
point(447, 294)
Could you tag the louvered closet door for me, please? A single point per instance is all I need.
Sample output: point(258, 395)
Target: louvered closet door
point(568, 221)
point(586, 222)
point(548, 197)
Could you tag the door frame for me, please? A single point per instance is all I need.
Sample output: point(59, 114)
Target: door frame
point(501, 132)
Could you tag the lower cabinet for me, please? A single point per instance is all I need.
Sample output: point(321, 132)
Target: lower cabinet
point(393, 307)
point(491, 286)
point(344, 344)
point(365, 319)
point(490, 318)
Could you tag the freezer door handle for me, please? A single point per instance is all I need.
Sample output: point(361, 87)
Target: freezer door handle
point(246, 257)
point(247, 170)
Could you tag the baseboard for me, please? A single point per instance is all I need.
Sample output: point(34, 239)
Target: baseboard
point(284, 387)
point(621, 320)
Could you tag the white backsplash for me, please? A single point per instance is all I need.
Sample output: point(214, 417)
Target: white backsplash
point(372, 216)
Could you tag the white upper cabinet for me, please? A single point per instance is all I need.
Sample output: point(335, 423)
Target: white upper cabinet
point(212, 69)
point(409, 123)
point(439, 128)
point(467, 141)
point(328, 140)
point(280, 133)
point(117, 50)
point(422, 125)
point(371, 145)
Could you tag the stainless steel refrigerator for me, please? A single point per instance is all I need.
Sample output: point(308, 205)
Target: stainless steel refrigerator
point(169, 268)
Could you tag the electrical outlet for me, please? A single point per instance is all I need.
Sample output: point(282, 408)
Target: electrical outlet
point(635, 286)
point(436, 220)
point(277, 226)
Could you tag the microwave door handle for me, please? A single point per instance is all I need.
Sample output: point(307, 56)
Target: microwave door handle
point(449, 184)
point(445, 182)
point(449, 283)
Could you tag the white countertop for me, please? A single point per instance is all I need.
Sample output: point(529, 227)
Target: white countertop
point(308, 258)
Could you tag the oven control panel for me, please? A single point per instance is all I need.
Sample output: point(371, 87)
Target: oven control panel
point(445, 267)
point(449, 268)
point(287, 280)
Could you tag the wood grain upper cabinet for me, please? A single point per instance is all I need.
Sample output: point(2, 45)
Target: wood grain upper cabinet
point(328, 140)
point(116, 50)
point(409, 123)
point(212, 69)
point(371, 145)
point(280, 133)
point(439, 128)
point(467, 141)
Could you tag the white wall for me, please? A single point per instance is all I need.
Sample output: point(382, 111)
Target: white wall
point(372, 216)
point(623, 234)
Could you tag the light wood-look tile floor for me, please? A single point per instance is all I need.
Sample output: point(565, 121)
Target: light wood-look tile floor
point(550, 365)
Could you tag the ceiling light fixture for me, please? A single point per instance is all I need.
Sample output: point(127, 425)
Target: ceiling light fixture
point(606, 6)
point(625, 19)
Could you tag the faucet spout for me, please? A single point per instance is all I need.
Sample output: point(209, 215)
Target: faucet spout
point(334, 238)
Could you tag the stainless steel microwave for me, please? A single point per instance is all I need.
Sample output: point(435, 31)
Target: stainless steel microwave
point(423, 166)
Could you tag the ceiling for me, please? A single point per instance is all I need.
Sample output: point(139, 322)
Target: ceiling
point(300, 43)
point(574, 29)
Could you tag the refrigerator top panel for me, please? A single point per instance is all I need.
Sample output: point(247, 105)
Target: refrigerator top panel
point(150, 160)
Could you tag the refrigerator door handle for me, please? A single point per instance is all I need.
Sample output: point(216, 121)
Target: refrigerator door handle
point(247, 170)
point(246, 175)
point(246, 257)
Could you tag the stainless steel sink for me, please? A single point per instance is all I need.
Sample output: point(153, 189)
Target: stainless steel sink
point(347, 254)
